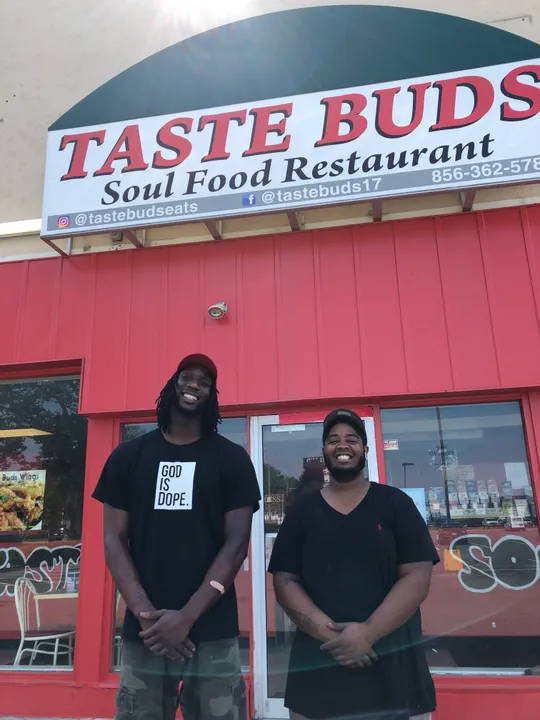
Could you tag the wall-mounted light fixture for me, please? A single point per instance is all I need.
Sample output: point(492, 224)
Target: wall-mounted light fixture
point(218, 310)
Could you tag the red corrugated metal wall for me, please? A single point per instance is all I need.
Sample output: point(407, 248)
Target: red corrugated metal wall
point(419, 306)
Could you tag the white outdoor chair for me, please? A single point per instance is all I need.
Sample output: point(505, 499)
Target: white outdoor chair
point(41, 641)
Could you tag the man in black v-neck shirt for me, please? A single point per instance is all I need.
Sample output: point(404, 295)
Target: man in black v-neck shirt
point(352, 565)
point(178, 505)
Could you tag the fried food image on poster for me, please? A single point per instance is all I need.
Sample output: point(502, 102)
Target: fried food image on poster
point(21, 499)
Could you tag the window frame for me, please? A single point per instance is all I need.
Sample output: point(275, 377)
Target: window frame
point(533, 457)
point(31, 372)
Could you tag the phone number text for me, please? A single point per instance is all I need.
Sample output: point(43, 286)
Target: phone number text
point(487, 170)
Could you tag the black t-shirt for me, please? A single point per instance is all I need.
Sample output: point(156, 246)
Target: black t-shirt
point(176, 497)
point(348, 564)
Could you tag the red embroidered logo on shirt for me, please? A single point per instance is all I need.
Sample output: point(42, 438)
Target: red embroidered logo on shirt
point(379, 527)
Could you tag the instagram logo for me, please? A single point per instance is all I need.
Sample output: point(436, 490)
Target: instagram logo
point(63, 222)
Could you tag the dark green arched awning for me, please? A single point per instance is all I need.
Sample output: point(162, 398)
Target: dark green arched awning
point(294, 52)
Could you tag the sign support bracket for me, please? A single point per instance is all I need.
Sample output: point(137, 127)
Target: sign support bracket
point(295, 221)
point(135, 237)
point(467, 200)
point(58, 249)
point(376, 210)
point(215, 228)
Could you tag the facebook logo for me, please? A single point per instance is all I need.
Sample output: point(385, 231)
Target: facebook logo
point(249, 199)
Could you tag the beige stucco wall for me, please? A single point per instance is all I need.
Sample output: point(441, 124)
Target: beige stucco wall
point(54, 52)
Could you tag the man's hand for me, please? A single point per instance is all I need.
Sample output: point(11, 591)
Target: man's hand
point(173, 654)
point(353, 646)
point(165, 632)
point(145, 624)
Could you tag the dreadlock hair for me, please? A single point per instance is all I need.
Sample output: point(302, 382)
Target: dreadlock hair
point(210, 416)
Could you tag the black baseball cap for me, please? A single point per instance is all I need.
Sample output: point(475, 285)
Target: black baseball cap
point(199, 359)
point(342, 415)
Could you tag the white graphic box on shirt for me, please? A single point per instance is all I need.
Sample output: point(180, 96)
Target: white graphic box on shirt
point(174, 486)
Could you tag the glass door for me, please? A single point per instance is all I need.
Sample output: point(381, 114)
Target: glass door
point(287, 455)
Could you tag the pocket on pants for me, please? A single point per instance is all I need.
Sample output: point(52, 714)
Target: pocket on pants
point(125, 703)
point(225, 698)
point(217, 698)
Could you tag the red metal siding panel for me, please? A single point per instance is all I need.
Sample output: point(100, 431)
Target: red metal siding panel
point(375, 310)
point(221, 337)
point(93, 620)
point(298, 343)
point(338, 314)
point(513, 311)
point(105, 371)
point(40, 304)
point(468, 320)
point(12, 289)
point(530, 222)
point(145, 367)
point(258, 365)
point(75, 308)
point(422, 310)
point(381, 334)
point(184, 306)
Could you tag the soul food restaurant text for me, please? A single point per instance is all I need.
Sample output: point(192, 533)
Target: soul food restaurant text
point(427, 326)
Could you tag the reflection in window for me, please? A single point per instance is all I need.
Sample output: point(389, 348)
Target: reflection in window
point(292, 466)
point(42, 461)
point(466, 468)
point(235, 429)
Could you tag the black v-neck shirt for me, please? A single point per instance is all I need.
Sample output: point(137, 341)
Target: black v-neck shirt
point(348, 564)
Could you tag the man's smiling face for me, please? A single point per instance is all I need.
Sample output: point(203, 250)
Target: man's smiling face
point(344, 453)
point(193, 389)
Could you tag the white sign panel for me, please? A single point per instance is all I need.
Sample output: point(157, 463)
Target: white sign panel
point(174, 486)
point(418, 496)
point(472, 128)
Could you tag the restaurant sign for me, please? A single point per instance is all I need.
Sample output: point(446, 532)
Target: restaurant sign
point(455, 130)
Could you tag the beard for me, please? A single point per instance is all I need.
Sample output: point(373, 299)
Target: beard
point(345, 475)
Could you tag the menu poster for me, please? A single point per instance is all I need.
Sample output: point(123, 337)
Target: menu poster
point(437, 503)
point(273, 508)
point(516, 475)
point(466, 472)
point(21, 499)
point(483, 495)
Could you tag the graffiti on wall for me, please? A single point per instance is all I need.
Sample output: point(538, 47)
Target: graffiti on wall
point(512, 562)
point(47, 567)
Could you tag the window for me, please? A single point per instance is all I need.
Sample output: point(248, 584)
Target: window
point(42, 462)
point(234, 429)
point(466, 467)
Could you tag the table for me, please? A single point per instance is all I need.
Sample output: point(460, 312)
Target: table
point(56, 596)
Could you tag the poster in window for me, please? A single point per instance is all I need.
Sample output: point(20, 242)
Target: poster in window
point(273, 508)
point(418, 496)
point(315, 463)
point(516, 475)
point(21, 499)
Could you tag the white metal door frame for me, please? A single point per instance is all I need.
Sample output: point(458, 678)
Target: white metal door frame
point(265, 707)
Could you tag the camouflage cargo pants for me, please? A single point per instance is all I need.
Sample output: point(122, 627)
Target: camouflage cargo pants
point(212, 684)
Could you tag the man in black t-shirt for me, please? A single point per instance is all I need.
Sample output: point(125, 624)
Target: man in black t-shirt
point(352, 565)
point(178, 506)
